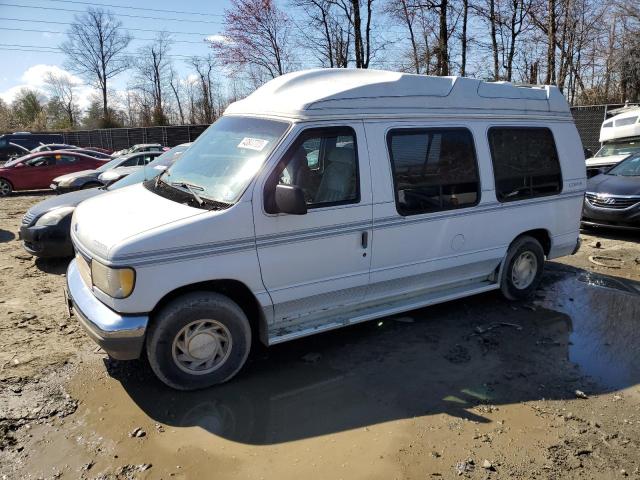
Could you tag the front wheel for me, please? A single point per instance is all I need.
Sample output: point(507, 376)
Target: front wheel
point(198, 340)
point(522, 269)
point(5, 188)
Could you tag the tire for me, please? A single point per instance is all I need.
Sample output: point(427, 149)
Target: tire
point(211, 361)
point(6, 188)
point(522, 269)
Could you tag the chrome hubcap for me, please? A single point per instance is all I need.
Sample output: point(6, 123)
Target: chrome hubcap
point(5, 188)
point(201, 347)
point(524, 270)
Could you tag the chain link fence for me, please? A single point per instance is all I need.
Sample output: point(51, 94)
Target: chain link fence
point(120, 138)
point(588, 121)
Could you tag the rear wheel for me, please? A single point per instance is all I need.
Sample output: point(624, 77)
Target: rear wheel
point(5, 188)
point(522, 268)
point(198, 340)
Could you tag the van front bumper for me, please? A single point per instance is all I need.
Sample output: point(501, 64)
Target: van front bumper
point(121, 336)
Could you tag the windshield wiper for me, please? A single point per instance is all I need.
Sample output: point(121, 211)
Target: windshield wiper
point(192, 190)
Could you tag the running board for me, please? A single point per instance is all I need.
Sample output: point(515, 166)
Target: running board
point(284, 334)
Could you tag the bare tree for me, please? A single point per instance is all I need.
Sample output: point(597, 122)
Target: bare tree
point(405, 12)
point(95, 48)
point(204, 69)
point(326, 33)
point(358, 12)
point(61, 89)
point(256, 37)
point(176, 88)
point(153, 70)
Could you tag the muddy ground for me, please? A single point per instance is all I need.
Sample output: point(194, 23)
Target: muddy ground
point(478, 388)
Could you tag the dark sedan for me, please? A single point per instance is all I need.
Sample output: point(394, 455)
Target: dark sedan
point(45, 226)
point(613, 198)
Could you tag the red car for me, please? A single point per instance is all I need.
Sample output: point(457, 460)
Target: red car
point(35, 171)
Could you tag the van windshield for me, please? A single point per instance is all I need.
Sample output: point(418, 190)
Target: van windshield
point(224, 159)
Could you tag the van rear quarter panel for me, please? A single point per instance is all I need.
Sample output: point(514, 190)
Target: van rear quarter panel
point(475, 237)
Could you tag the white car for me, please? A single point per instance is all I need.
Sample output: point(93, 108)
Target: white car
point(324, 199)
point(115, 174)
point(140, 147)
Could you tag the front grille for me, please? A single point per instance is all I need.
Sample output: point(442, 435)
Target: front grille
point(611, 201)
point(28, 218)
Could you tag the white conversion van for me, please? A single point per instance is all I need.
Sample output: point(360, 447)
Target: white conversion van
point(324, 199)
point(620, 137)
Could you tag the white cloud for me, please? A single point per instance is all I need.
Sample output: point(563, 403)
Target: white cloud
point(34, 78)
point(217, 38)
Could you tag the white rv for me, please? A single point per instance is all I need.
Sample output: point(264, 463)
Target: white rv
point(324, 199)
point(620, 137)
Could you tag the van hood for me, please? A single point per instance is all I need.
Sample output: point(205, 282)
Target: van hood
point(103, 222)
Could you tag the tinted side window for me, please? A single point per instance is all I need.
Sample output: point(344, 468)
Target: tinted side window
point(525, 163)
point(132, 162)
point(324, 163)
point(433, 169)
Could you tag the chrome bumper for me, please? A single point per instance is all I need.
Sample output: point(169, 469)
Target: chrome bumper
point(121, 336)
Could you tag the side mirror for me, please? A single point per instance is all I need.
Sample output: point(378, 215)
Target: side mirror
point(290, 199)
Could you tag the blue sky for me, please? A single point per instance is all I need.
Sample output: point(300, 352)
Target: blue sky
point(24, 67)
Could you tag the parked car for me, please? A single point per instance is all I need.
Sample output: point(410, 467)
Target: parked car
point(140, 147)
point(93, 153)
point(50, 147)
point(45, 226)
point(100, 150)
point(324, 199)
point(37, 170)
point(613, 198)
point(115, 174)
point(20, 143)
point(620, 137)
point(89, 178)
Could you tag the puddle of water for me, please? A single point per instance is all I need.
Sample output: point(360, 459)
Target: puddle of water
point(605, 315)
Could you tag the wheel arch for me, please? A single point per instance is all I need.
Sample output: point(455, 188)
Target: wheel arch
point(542, 235)
point(233, 289)
point(9, 182)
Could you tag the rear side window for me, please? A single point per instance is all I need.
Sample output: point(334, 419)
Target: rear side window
point(525, 163)
point(433, 169)
point(132, 162)
point(65, 159)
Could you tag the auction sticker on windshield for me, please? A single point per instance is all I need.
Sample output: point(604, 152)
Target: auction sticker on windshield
point(256, 144)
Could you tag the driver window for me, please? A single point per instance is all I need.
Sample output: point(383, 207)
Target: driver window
point(39, 162)
point(132, 162)
point(324, 164)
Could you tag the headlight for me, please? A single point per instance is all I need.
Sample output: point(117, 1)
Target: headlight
point(64, 182)
point(54, 216)
point(115, 282)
